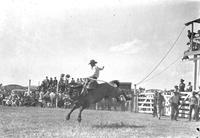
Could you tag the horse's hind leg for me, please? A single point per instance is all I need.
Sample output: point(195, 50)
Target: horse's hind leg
point(73, 108)
point(79, 115)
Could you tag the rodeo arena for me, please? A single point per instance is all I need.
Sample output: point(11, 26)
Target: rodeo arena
point(124, 108)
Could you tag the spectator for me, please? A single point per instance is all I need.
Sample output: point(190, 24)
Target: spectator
point(198, 107)
point(154, 104)
point(67, 82)
point(47, 82)
point(176, 88)
point(72, 81)
point(198, 34)
point(61, 84)
point(78, 80)
point(159, 104)
point(182, 86)
point(191, 35)
point(189, 87)
point(175, 102)
point(193, 102)
point(55, 82)
point(67, 79)
point(43, 86)
point(51, 83)
point(40, 100)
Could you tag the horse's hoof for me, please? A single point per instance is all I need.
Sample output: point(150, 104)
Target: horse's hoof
point(67, 117)
point(79, 120)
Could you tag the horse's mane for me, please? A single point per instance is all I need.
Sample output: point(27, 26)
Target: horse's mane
point(116, 82)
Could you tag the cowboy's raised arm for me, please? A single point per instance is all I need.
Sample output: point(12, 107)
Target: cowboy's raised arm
point(101, 68)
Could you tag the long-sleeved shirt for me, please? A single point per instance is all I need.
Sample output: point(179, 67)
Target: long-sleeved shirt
point(198, 100)
point(193, 100)
point(96, 71)
point(175, 99)
point(159, 100)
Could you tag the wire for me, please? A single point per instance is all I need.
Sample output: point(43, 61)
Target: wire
point(162, 58)
point(163, 69)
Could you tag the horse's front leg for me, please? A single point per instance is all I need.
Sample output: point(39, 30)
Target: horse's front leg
point(73, 108)
point(79, 115)
point(126, 97)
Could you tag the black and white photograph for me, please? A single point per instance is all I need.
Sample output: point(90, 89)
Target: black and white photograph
point(99, 69)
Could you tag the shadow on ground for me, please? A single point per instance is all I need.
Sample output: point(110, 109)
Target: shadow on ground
point(117, 125)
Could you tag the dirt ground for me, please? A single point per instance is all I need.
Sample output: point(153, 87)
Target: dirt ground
point(35, 122)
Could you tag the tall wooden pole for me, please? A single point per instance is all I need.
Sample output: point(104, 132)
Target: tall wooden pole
point(29, 86)
point(198, 82)
point(195, 73)
point(132, 99)
point(195, 61)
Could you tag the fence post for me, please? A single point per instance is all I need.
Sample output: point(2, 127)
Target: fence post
point(57, 95)
point(29, 86)
point(135, 99)
point(132, 101)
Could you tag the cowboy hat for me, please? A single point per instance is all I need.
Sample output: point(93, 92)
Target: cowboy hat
point(68, 76)
point(195, 92)
point(92, 61)
point(175, 86)
point(182, 80)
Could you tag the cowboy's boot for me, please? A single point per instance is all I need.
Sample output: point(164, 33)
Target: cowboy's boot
point(84, 91)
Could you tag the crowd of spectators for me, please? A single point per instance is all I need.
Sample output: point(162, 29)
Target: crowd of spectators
point(60, 86)
point(40, 94)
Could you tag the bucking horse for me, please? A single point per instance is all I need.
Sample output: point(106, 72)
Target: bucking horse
point(84, 100)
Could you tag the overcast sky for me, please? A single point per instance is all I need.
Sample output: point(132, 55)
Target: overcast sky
point(41, 38)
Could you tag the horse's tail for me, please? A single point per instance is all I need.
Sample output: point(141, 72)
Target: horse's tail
point(74, 92)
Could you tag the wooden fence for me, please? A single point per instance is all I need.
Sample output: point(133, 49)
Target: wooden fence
point(145, 103)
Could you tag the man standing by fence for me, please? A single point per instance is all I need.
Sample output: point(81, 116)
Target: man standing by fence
point(159, 104)
point(198, 107)
point(61, 84)
point(193, 102)
point(189, 87)
point(174, 101)
point(182, 85)
point(154, 104)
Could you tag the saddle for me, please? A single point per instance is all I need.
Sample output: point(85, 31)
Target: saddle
point(92, 84)
point(76, 90)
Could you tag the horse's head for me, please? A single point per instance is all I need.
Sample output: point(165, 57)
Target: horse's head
point(115, 83)
point(120, 92)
